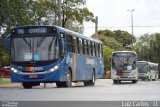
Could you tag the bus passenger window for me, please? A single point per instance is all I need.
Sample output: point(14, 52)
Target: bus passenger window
point(83, 46)
point(77, 42)
point(70, 43)
point(93, 48)
point(80, 46)
point(89, 48)
point(75, 45)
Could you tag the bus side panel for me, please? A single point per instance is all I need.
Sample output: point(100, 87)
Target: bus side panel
point(84, 66)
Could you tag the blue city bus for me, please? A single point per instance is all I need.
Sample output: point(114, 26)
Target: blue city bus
point(51, 54)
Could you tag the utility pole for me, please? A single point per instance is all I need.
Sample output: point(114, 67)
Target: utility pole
point(158, 38)
point(132, 23)
point(59, 13)
point(96, 26)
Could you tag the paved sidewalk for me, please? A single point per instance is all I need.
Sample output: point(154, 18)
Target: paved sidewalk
point(8, 85)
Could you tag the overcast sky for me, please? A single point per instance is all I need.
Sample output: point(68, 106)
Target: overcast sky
point(113, 13)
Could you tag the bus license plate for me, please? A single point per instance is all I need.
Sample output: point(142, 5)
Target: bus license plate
point(33, 76)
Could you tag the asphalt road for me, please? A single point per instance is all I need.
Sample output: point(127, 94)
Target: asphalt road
point(104, 90)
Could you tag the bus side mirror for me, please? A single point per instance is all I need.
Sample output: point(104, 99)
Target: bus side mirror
point(7, 43)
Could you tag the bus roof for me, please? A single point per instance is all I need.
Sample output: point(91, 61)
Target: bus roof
point(124, 52)
point(142, 61)
point(150, 63)
point(79, 35)
point(65, 30)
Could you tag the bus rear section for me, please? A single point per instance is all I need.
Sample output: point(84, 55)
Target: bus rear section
point(123, 66)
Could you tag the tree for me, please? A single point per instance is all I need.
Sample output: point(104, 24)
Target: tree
point(147, 47)
point(124, 37)
point(5, 58)
point(107, 52)
point(72, 10)
point(112, 41)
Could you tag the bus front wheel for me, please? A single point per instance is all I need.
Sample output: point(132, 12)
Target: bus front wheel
point(134, 81)
point(27, 85)
point(59, 84)
point(68, 83)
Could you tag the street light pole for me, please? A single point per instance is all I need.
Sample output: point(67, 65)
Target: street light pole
point(132, 23)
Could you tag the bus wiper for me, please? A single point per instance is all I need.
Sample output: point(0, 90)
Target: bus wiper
point(39, 43)
point(26, 42)
point(29, 44)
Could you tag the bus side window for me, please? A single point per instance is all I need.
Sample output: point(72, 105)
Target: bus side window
point(83, 46)
point(77, 43)
point(99, 51)
point(70, 43)
point(80, 46)
point(87, 48)
point(93, 48)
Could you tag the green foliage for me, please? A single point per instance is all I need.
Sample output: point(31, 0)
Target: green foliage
point(5, 58)
point(147, 47)
point(107, 55)
point(124, 37)
point(113, 40)
point(33, 12)
point(74, 10)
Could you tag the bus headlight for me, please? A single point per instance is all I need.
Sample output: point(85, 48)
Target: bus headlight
point(54, 68)
point(14, 70)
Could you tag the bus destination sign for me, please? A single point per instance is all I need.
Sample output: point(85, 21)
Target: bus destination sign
point(34, 30)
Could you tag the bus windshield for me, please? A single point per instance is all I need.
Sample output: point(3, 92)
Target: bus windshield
point(143, 67)
point(124, 61)
point(35, 48)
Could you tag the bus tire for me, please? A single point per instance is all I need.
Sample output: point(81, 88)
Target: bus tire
point(134, 81)
point(68, 83)
point(27, 85)
point(115, 81)
point(59, 84)
point(92, 81)
point(86, 83)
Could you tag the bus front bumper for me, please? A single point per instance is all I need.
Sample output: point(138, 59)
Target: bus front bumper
point(143, 77)
point(48, 77)
point(123, 78)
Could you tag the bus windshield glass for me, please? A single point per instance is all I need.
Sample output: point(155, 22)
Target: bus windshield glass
point(35, 48)
point(124, 61)
point(143, 67)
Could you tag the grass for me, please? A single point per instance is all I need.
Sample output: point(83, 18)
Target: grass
point(5, 80)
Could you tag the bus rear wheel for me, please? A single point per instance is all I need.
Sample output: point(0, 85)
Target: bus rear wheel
point(90, 82)
point(27, 85)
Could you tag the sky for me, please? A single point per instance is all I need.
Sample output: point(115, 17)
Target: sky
point(113, 15)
